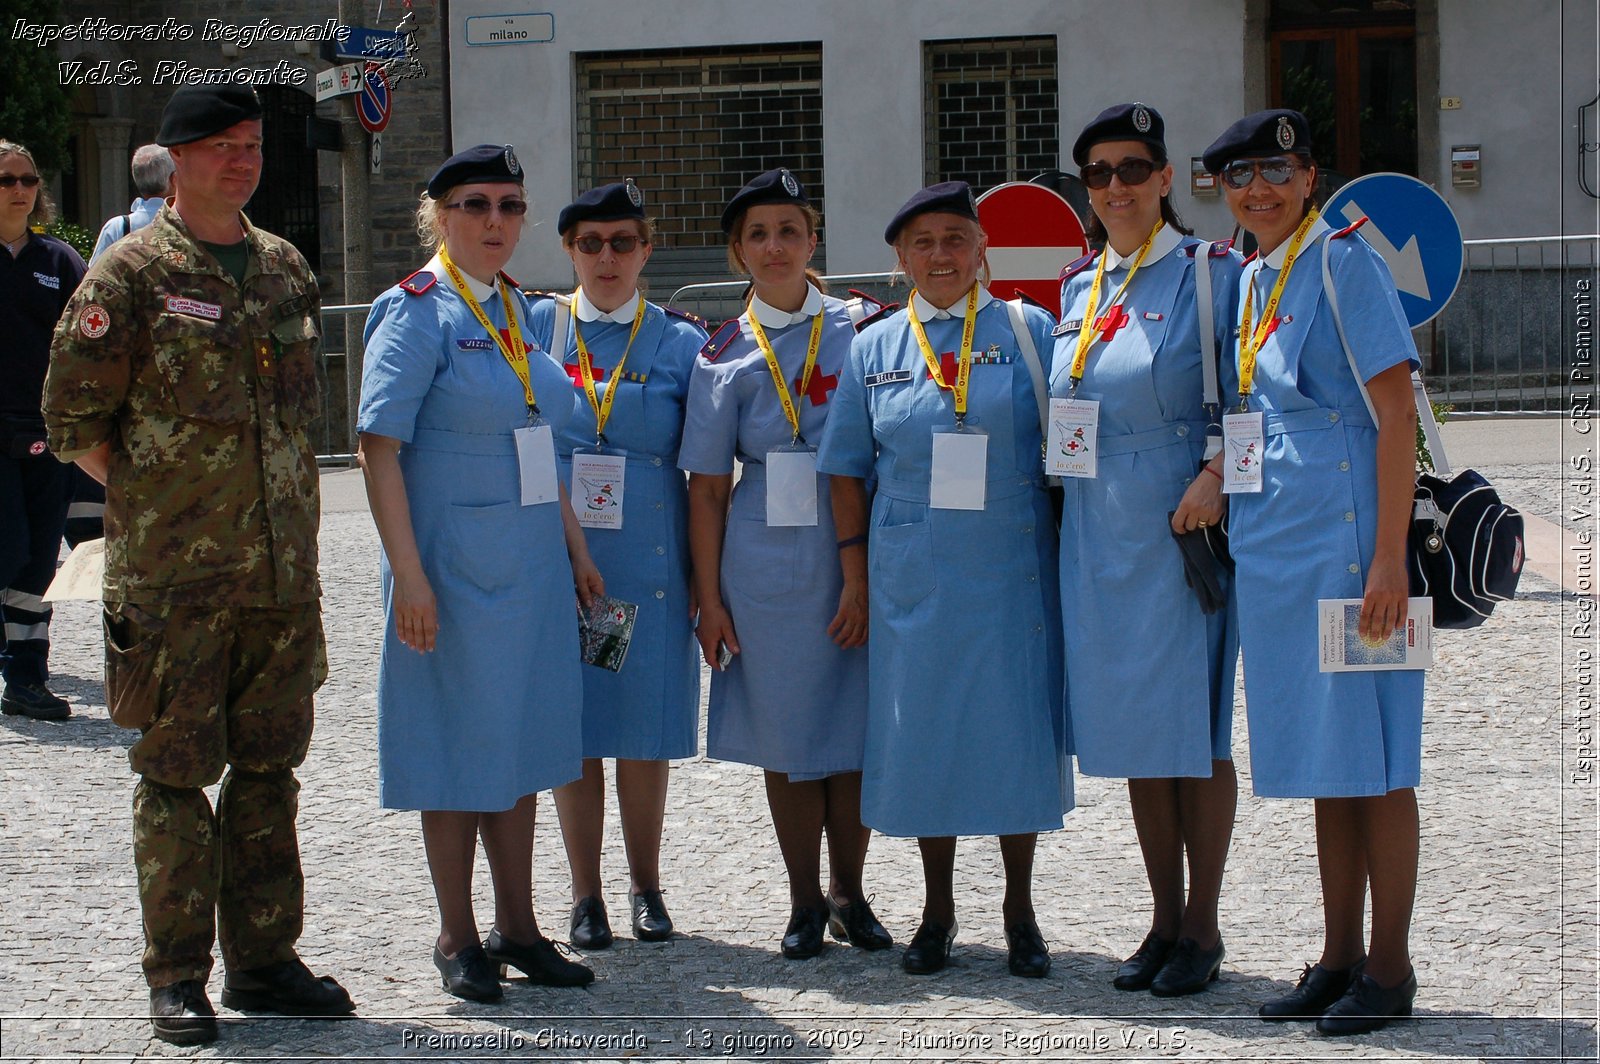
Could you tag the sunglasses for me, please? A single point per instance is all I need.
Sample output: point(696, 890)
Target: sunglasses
point(10, 180)
point(622, 243)
point(1277, 170)
point(480, 206)
point(1128, 171)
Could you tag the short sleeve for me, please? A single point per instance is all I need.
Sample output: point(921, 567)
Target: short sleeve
point(1369, 307)
point(847, 448)
point(710, 422)
point(404, 348)
point(90, 366)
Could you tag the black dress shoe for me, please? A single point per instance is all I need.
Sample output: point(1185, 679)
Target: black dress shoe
point(1368, 1006)
point(1316, 992)
point(855, 923)
point(1139, 970)
point(929, 949)
point(1189, 970)
point(650, 920)
point(802, 939)
point(590, 929)
point(1026, 953)
point(540, 961)
point(287, 988)
point(469, 974)
point(35, 700)
point(181, 1014)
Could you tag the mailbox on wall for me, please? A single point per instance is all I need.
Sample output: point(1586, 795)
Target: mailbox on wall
point(1466, 165)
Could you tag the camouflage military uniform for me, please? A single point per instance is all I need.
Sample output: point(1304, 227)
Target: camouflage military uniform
point(203, 389)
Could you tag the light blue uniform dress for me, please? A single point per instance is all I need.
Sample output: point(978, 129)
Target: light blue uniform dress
point(791, 701)
point(1149, 677)
point(965, 735)
point(1309, 534)
point(649, 710)
point(494, 712)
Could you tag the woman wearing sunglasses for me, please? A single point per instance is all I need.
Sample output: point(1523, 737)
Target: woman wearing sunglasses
point(1129, 355)
point(1325, 518)
point(965, 730)
point(777, 623)
point(479, 695)
point(629, 363)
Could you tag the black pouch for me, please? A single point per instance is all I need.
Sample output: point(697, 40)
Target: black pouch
point(1205, 559)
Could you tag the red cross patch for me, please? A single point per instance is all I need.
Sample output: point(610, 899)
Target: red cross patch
point(93, 321)
point(821, 385)
point(1111, 322)
point(949, 368)
point(576, 373)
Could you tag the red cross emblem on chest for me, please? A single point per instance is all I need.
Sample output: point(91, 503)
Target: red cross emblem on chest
point(949, 367)
point(575, 371)
point(94, 320)
point(505, 334)
point(1272, 327)
point(1111, 322)
point(821, 385)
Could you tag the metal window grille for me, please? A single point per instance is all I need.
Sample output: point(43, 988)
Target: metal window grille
point(991, 110)
point(285, 202)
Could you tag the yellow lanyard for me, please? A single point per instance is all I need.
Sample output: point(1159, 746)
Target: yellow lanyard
point(1251, 342)
point(1088, 333)
point(516, 353)
point(777, 371)
point(602, 407)
point(964, 366)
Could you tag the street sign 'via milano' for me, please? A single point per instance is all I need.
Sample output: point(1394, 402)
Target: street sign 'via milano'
point(1415, 231)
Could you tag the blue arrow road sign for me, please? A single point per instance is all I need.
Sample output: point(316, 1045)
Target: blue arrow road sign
point(362, 42)
point(1415, 231)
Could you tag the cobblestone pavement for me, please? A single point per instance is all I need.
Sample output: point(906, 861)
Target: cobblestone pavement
point(1504, 939)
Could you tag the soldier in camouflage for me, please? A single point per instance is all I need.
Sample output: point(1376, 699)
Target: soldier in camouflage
point(183, 377)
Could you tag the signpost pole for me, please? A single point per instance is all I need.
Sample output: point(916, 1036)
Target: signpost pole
point(354, 173)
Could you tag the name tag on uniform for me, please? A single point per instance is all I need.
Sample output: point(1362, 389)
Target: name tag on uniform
point(598, 479)
point(1244, 444)
point(474, 343)
point(960, 473)
point(893, 376)
point(1071, 325)
point(1073, 446)
point(536, 463)
point(194, 308)
point(792, 487)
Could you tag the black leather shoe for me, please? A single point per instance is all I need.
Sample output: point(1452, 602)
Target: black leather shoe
point(35, 700)
point(929, 949)
point(1139, 970)
point(650, 920)
point(802, 939)
point(1368, 1006)
point(287, 988)
point(181, 1013)
point(1316, 992)
point(1189, 970)
point(468, 974)
point(855, 923)
point(590, 929)
point(540, 961)
point(1026, 953)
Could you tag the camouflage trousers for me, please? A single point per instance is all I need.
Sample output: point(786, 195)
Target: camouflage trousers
point(211, 689)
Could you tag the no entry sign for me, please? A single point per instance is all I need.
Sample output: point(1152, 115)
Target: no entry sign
point(1033, 232)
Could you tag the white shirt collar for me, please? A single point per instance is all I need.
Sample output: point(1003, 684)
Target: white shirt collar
point(587, 311)
point(1164, 244)
point(1274, 261)
point(480, 291)
point(771, 317)
point(928, 312)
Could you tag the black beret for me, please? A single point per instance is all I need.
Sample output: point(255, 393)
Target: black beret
point(1125, 121)
point(608, 203)
point(1263, 133)
point(947, 197)
point(485, 164)
point(198, 111)
point(774, 186)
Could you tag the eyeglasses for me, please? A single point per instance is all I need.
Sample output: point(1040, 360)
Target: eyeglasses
point(622, 243)
point(480, 206)
point(1277, 170)
point(10, 180)
point(1129, 171)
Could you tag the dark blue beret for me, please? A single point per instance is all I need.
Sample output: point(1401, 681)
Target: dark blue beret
point(1263, 133)
point(608, 203)
point(484, 164)
point(198, 111)
point(947, 197)
point(1125, 121)
point(774, 186)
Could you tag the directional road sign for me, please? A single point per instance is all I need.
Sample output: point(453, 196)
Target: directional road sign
point(1033, 232)
point(374, 104)
point(363, 42)
point(338, 81)
point(1415, 231)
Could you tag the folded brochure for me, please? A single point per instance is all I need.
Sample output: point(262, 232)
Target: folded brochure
point(1341, 648)
point(605, 629)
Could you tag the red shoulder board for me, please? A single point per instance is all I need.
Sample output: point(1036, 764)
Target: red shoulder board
point(506, 277)
point(692, 319)
point(1077, 266)
point(1347, 230)
point(1248, 259)
point(719, 339)
point(877, 315)
point(1221, 248)
point(419, 282)
point(875, 301)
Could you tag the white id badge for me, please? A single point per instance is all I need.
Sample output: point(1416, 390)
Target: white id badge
point(1244, 444)
point(597, 485)
point(792, 487)
point(536, 463)
point(960, 468)
point(1073, 448)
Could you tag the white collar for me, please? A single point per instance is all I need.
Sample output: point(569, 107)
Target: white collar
point(480, 291)
point(771, 317)
point(587, 311)
point(1274, 261)
point(928, 312)
point(1165, 242)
